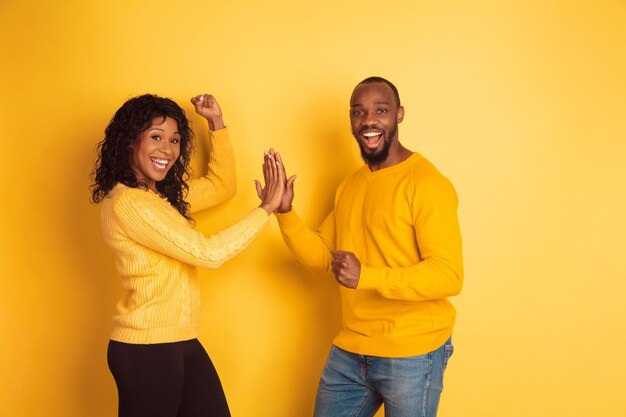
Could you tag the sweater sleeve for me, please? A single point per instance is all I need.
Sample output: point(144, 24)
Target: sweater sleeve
point(147, 222)
point(220, 182)
point(439, 274)
point(312, 249)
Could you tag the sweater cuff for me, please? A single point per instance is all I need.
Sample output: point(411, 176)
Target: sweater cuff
point(221, 134)
point(259, 215)
point(371, 278)
point(289, 222)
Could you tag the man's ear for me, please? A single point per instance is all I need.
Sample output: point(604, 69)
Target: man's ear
point(400, 114)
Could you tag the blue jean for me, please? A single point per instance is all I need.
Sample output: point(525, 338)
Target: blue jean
point(357, 385)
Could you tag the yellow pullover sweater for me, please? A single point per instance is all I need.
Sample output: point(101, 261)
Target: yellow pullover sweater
point(157, 251)
point(401, 223)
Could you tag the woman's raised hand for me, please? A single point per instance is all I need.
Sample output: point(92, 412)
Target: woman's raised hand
point(207, 106)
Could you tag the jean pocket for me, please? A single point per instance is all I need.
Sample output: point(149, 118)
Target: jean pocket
point(447, 353)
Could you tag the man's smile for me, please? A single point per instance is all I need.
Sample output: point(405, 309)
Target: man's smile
point(371, 138)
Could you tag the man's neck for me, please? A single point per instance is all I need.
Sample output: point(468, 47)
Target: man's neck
point(397, 155)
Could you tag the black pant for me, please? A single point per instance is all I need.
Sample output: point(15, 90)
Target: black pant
point(166, 380)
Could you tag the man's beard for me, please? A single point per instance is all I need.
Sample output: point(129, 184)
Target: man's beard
point(380, 156)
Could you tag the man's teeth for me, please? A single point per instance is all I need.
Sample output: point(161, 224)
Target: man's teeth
point(371, 135)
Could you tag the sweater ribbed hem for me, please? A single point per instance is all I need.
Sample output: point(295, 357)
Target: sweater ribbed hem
point(152, 336)
point(390, 346)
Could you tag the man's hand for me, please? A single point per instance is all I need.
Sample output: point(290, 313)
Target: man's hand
point(347, 268)
point(207, 106)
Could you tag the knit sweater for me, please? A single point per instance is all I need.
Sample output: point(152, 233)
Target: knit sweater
point(401, 223)
point(157, 251)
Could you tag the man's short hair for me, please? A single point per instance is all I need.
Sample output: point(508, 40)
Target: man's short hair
point(372, 80)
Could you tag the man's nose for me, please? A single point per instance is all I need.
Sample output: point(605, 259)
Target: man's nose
point(369, 119)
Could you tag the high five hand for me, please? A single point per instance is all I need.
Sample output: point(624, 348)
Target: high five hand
point(285, 204)
point(274, 175)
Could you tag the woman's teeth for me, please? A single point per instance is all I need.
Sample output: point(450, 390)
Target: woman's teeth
point(160, 163)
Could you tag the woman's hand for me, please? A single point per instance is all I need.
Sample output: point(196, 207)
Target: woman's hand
point(272, 195)
point(207, 106)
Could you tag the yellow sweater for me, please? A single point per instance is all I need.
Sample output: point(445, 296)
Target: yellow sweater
point(401, 223)
point(157, 251)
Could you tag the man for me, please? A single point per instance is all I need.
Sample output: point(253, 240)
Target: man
point(393, 244)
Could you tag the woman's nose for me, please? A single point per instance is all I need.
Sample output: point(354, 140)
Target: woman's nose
point(166, 147)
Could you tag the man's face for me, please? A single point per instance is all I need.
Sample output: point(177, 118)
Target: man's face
point(374, 116)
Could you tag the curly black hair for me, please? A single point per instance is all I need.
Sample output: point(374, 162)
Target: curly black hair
point(115, 150)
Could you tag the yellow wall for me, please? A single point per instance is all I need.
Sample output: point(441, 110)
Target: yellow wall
point(521, 104)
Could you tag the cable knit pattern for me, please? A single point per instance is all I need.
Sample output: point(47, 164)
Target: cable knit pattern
point(157, 251)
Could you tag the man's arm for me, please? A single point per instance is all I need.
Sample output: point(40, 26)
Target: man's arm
point(312, 249)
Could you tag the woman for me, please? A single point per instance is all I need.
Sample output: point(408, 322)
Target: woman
point(159, 366)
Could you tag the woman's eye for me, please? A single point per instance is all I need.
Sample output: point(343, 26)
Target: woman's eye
point(175, 140)
point(156, 137)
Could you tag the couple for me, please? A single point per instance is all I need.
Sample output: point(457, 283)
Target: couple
point(392, 244)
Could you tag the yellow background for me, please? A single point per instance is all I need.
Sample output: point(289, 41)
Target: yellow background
point(521, 104)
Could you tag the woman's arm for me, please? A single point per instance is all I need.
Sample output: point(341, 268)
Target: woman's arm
point(220, 182)
point(147, 220)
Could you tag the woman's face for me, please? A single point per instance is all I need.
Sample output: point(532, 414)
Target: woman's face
point(155, 152)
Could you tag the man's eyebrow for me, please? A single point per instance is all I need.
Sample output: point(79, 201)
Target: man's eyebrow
point(376, 103)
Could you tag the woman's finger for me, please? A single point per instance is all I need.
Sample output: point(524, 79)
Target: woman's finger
point(259, 189)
